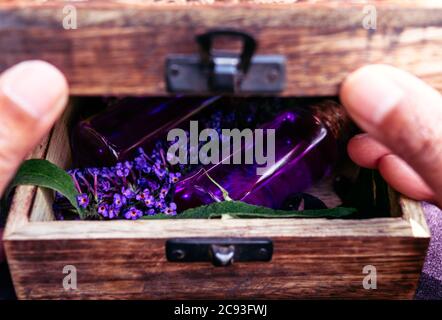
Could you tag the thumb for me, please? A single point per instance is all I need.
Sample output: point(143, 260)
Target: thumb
point(403, 113)
point(32, 96)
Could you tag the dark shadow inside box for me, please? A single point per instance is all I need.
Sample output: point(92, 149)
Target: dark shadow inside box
point(91, 120)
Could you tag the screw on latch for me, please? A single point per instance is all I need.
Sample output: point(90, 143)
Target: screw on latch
point(272, 75)
point(174, 70)
point(263, 252)
point(222, 255)
point(178, 254)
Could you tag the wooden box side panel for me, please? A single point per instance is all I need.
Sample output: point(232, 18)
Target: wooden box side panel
point(314, 267)
point(120, 48)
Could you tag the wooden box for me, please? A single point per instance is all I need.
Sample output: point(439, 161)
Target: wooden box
point(119, 48)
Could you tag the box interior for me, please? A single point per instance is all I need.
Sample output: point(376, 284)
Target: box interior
point(373, 198)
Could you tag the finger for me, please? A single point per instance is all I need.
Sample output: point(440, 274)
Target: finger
point(368, 153)
point(365, 151)
point(403, 178)
point(401, 112)
point(32, 96)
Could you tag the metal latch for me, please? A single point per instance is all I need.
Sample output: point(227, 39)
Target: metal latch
point(225, 72)
point(219, 251)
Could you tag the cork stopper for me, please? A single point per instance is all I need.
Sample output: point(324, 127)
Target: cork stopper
point(335, 118)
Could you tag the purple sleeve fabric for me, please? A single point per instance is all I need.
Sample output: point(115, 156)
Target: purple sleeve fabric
point(430, 284)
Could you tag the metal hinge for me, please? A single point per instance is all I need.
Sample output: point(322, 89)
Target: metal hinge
point(219, 251)
point(225, 72)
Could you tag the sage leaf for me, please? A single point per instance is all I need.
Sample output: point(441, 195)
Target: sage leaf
point(238, 209)
point(42, 173)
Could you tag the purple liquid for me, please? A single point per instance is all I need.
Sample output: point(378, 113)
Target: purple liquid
point(304, 153)
point(114, 135)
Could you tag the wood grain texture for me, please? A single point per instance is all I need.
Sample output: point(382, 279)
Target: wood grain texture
point(24, 195)
point(413, 212)
point(302, 267)
point(120, 47)
point(58, 153)
point(394, 227)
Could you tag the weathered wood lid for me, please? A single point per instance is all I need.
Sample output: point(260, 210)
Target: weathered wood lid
point(120, 47)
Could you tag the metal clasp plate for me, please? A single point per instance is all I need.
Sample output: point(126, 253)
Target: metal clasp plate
point(219, 251)
point(225, 72)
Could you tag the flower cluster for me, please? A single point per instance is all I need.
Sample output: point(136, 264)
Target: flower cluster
point(129, 190)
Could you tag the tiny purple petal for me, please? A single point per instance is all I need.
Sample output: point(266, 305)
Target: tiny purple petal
point(133, 214)
point(160, 204)
point(121, 170)
point(174, 177)
point(149, 201)
point(105, 185)
point(163, 192)
point(171, 209)
point(119, 200)
point(83, 200)
point(128, 192)
point(103, 209)
point(113, 212)
point(143, 195)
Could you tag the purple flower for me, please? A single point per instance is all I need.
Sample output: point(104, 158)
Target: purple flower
point(163, 192)
point(153, 185)
point(103, 209)
point(100, 196)
point(128, 192)
point(128, 165)
point(160, 172)
point(160, 204)
point(105, 185)
point(133, 214)
point(143, 195)
point(171, 209)
point(142, 165)
point(174, 177)
point(119, 200)
point(113, 212)
point(121, 170)
point(144, 182)
point(83, 200)
point(107, 173)
point(149, 201)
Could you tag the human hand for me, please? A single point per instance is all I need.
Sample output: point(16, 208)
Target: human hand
point(402, 116)
point(32, 96)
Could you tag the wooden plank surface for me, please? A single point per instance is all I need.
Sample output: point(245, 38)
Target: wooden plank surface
point(120, 47)
point(163, 229)
point(317, 267)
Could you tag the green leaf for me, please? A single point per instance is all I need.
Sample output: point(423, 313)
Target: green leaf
point(42, 173)
point(238, 209)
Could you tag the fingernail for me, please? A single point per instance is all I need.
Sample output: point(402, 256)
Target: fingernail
point(34, 86)
point(371, 95)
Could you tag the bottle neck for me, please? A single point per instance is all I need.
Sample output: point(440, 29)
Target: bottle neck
point(335, 118)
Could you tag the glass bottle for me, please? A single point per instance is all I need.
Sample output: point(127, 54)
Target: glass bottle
point(305, 152)
point(114, 135)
